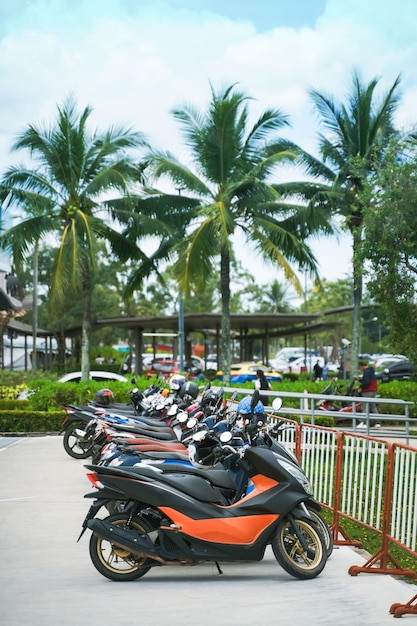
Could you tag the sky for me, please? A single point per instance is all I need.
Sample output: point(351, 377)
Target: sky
point(133, 61)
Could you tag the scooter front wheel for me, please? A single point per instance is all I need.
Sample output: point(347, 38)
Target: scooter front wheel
point(115, 562)
point(301, 561)
point(327, 533)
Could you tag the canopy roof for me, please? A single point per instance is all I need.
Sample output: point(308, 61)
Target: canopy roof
point(210, 322)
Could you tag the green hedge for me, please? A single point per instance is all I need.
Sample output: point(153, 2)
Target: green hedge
point(48, 395)
point(43, 410)
point(13, 405)
point(27, 421)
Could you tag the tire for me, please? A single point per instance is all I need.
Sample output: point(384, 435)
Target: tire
point(115, 562)
point(74, 444)
point(327, 533)
point(291, 555)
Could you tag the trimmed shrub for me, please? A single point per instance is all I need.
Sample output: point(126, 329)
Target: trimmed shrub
point(10, 392)
point(27, 421)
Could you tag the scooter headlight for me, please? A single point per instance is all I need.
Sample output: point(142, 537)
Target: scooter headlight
point(298, 474)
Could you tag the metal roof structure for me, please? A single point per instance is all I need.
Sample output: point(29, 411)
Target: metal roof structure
point(245, 327)
point(205, 322)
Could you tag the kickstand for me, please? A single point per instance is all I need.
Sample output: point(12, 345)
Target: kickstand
point(219, 569)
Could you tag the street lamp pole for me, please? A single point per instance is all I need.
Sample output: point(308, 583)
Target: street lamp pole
point(305, 323)
point(181, 318)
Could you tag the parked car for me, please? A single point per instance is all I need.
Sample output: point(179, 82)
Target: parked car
point(245, 371)
point(166, 368)
point(298, 365)
point(285, 357)
point(211, 362)
point(100, 376)
point(148, 358)
point(75, 377)
point(386, 360)
point(401, 370)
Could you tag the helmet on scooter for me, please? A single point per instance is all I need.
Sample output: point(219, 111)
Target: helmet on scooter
point(245, 407)
point(104, 397)
point(176, 382)
point(189, 389)
point(211, 397)
point(204, 452)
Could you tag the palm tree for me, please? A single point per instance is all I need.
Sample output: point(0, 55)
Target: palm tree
point(226, 191)
point(354, 146)
point(275, 299)
point(80, 182)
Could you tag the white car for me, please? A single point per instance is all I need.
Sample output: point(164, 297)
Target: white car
point(100, 376)
point(279, 365)
point(75, 377)
point(297, 364)
point(211, 363)
point(385, 360)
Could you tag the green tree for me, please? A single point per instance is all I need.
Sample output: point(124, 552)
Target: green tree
point(328, 294)
point(275, 298)
point(228, 189)
point(354, 145)
point(391, 246)
point(80, 185)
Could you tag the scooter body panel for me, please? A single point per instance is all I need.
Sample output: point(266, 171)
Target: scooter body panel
point(196, 498)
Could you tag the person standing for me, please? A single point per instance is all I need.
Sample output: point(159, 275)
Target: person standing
point(262, 384)
point(317, 370)
point(369, 384)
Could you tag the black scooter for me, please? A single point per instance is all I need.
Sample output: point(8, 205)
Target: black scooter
point(183, 519)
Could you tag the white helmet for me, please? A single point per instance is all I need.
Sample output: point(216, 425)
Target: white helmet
point(176, 382)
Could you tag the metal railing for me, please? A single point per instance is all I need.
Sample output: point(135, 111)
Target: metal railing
point(400, 422)
point(367, 480)
point(371, 480)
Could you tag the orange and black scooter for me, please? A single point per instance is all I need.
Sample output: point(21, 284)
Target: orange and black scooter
point(181, 519)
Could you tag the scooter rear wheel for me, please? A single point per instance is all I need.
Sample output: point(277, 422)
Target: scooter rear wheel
point(74, 445)
point(292, 556)
point(114, 562)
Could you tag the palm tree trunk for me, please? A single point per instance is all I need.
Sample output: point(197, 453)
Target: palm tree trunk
point(357, 299)
point(225, 324)
point(86, 327)
point(60, 338)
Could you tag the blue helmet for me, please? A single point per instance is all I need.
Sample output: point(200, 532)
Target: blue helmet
point(244, 407)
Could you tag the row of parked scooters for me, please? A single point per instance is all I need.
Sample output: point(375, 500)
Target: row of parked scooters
point(183, 476)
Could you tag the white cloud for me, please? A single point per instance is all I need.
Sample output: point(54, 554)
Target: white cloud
point(134, 61)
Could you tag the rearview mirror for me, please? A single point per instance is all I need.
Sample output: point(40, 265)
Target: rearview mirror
point(199, 435)
point(182, 417)
point(277, 404)
point(226, 436)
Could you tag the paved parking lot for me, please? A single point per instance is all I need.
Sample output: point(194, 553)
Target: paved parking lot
point(47, 578)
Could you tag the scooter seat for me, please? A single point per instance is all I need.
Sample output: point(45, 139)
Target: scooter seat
point(157, 446)
point(166, 436)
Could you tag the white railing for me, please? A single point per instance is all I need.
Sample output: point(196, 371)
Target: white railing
point(403, 526)
point(370, 480)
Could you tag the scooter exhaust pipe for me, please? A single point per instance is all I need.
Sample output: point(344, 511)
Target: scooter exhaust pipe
point(129, 539)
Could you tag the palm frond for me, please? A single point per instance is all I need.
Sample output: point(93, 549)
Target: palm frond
point(164, 164)
point(196, 254)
